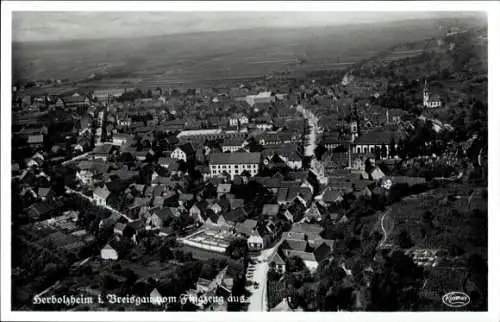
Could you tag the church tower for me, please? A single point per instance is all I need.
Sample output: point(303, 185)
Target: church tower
point(426, 95)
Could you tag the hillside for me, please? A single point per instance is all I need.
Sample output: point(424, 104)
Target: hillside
point(178, 58)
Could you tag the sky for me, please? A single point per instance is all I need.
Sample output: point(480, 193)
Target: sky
point(45, 26)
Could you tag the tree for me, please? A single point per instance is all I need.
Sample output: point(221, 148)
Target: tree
point(392, 147)
point(319, 151)
point(295, 264)
point(404, 240)
point(237, 249)
point(396, 284)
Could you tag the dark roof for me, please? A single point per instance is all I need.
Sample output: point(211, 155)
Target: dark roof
point(43, 192)
point(235, 158)
point(270, 209)
point(224, 187)
point(187, 148)
point(74, 99)
point(297, 210)
point(186, 196)
point(295, 244)
point(103, 149)
point(321, 252)
point(236, 215)
point(38, 209)
point(233, 142)
point(236, 203)
point(330, 195)
point(311, 230)
point(301, 254)
point(277, 259)
point(164, 213)
point(378, 136)
point(246, 227)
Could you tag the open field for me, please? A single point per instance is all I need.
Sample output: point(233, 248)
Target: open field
point(211, 56)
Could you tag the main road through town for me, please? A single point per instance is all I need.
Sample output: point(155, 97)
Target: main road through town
point(258, 299)
point(313, 135)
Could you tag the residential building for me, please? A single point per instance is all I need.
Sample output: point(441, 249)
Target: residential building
point(110, 93)
point(100, 195)
point(255, 242)
point(35, 140)
point(232, 145)
point(122, 139)
point(109, 253)
point(184, 152)
point(238, 120)
point(264, 126)
point(279, 263)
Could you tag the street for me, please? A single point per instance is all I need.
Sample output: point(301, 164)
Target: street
point(313, 135)
point(258, 299)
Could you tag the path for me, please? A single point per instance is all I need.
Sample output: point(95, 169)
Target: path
point(384, 239)
point(78, 157)
point(113, 210)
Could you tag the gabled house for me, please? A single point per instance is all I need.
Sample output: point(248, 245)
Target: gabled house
point(330, 196)
point(235, 203)
point(312, 214)
point(109, 253)
point(183, 152)
point(310, 260)
point(215, 207)
point(246, 228)
point(279, 263)
point(222, 189)
point(45, 193)
point(185, 199)
point(255, 242)
point(159, 218)
point(100, 195)
point(234, 216)
point(35, 140)
point(232, 145)
point(102, 151)
point(295, 212)
point(271, 210)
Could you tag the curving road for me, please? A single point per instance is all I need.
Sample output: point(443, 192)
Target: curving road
point(384, 239)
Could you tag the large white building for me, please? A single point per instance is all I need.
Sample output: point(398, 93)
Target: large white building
point(200, 133)
point(104, 94)
point(262, 97)
point(234, 163)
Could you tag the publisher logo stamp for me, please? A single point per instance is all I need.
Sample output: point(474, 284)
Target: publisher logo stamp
point(456, 299)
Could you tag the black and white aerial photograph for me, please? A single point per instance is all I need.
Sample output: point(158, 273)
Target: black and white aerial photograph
point(246, 160)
